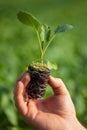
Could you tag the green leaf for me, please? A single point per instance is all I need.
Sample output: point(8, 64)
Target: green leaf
point(48, 34)
point(4, 101)
point(11, 115)
point(45, 33)
point(28, 19)
point(63, 28)
point(52, 65)
point(42, 34)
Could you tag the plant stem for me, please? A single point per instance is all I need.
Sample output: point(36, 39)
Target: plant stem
point(39, 41)
point(48, 44)
point(42, 58)
point(40, 45)
point(42, 51)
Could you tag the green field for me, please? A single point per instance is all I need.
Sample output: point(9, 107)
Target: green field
point(19, 47)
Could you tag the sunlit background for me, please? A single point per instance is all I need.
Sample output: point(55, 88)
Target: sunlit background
point(19, 47)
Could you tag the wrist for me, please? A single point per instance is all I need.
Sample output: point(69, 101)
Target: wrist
point(77, 125)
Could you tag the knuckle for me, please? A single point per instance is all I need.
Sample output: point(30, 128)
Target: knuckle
point(60, 80)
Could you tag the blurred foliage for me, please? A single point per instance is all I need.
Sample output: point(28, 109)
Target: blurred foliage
point(18, 48)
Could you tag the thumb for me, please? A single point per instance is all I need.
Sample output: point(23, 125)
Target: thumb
point(58, 86)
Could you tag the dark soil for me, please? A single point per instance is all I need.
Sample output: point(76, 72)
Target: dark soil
point(39, 78)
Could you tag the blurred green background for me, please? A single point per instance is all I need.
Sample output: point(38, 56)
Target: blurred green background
point(19, 47)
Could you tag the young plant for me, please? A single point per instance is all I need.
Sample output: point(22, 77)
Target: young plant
point(39, 72)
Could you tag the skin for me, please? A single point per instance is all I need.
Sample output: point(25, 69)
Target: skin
point(54, 113)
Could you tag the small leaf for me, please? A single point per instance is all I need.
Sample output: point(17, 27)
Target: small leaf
point(52, 65)
point(28, 19)
point(45, 33)
point(63, 28)
point(42, 34)
point(48, 34)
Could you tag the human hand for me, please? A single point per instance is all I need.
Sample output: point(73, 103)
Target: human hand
point(54, 113)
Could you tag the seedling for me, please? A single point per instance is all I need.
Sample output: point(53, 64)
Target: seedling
point(40, 71)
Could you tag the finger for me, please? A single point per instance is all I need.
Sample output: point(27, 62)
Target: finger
point(57, 86)
point(19, 99)
point(19, 93)
point(25, 78)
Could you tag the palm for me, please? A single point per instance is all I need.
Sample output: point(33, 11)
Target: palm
point(55, 105)
point(52, 109)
